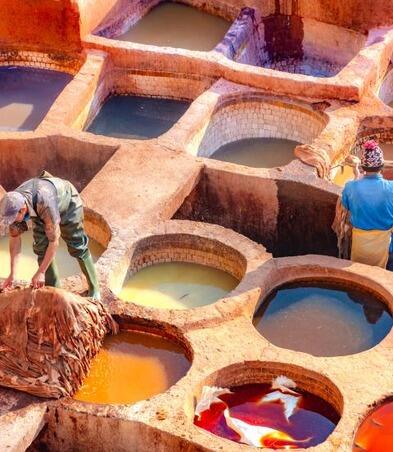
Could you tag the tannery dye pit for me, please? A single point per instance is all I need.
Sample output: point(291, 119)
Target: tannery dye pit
point(206, 140)
point(177, 25)
point(133, 366)
point(28, 265)
point(26, 94)
point(301, 316)
point(257, 152)
point(134, 117)
point(376, 432)
point(261, 416)
point(177, 285)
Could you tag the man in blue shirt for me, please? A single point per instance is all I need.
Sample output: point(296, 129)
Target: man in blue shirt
point(369, 200)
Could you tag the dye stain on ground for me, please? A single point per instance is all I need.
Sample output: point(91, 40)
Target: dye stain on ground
point(323, 319)
point(26, 95)
point(311, 423)
point(176, 25)
point(177, 285)
point(258, 152)
point(376, 432)
point(135, 117)
point(133, 366)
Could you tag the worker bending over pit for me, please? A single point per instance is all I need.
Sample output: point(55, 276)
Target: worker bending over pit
point(55, 209)
point(369, 199)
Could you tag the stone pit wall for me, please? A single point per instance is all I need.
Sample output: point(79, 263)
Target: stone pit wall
point(386, 90)
point(40, 25)
point(256, 117)
point(288, 217)
point(22, 158)
point(52, 61)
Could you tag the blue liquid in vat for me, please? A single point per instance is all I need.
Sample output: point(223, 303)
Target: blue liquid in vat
point(323, 319)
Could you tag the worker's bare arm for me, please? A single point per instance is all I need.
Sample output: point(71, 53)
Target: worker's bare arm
point(15, 245)
point(53, 234)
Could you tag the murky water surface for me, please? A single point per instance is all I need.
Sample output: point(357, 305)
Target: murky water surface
point(27, 266)
point(133, 366)
point(26, 95)
point(323, 319)
point(376, 432)
point(312, 422)
point(177, 285)
point(176, 25)
point(134, 117)
point(258, 152)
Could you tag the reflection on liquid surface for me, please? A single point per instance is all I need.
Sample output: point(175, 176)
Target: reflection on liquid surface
point(176, 25)
point(177, 285)
point(303, 317)
point(133, 366)
point(257, 152)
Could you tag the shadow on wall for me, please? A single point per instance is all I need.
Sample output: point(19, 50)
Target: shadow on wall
point(289, 218)
point(63, 157)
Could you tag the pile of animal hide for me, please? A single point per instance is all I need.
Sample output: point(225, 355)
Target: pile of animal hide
point(48, 338)
point(343, 229)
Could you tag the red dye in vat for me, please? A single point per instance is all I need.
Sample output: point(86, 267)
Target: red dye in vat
point(312, 422)
point(376, 432)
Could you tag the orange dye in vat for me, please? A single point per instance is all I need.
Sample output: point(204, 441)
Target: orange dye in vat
point(312, 422)
point(133, 366)
point(376, 432)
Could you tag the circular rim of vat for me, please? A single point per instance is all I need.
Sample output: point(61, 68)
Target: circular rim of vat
point(286, 270)
point(264, 372)
point(163, 330)
point(372, 408)
point(248, 253)
point(287, 103)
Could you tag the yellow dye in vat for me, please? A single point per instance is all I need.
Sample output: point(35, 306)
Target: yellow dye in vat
point(343, 175)
point(27, 265)
point(133, 366)
point(177, 285)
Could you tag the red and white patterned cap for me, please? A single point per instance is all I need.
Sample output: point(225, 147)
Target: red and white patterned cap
point(372, 155)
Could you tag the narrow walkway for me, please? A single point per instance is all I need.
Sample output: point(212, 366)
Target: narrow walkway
point(21, 419)
point(141, 184)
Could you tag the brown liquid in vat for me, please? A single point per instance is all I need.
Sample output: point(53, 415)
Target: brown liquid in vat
point(176, 25)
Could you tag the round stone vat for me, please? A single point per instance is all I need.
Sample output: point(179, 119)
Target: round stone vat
point(301, 315)
point(99, 237)
point(132, 366)
point(265, 134)
point(271, 405)
point(298, 45)
point(26, 95)
point(173, 24)
point(375, 433)
point(180, 271)
point(136, 117)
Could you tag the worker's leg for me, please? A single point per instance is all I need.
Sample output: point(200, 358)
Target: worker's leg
point(40, 246)
point(73, 233)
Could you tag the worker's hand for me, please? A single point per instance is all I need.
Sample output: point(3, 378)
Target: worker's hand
point(38, 280)
point(8, 283)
